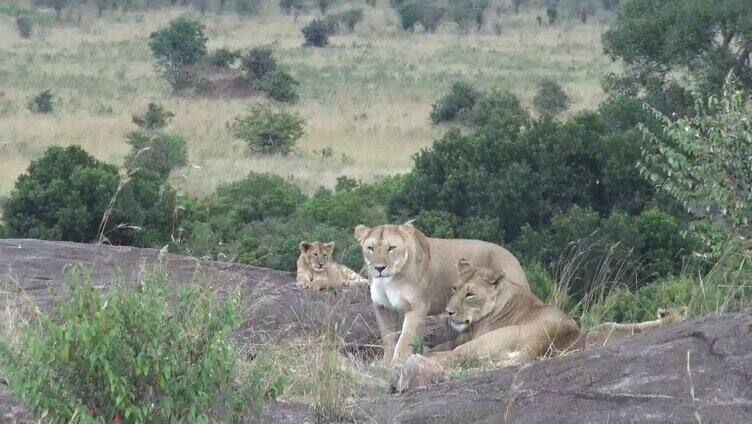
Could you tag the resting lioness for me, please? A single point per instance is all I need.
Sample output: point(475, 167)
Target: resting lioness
point(501, 319)
point(413, 275)
point(603, 334)
point(317, 271)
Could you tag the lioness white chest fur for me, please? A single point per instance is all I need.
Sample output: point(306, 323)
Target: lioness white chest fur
point(412, 275)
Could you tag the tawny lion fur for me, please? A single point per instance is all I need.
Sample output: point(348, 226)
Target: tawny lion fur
point(317, 270)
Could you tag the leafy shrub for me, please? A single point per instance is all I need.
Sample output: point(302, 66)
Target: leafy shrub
point(179, 48)
point(41, 102)
point(182, 42)
point(550, 98)
point(156, 117)
point(4, 232)
point(264, 73)
point(224, 58)
point(258, 196)
point(316, 33)
point(247, 7)
point(324, 5)
point(292, 6)
point(501, 107)
point(158, 152)
point(69, 195)
point(344, 20)
point(258, 63)
point(460, 98)
point(107, 359)
point(267, 130)
point(424, 12)
point(279, 86)
point(62, 196)
point(468, 14)
point(24, 25)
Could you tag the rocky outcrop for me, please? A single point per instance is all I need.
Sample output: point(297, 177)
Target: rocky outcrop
point(699, 371)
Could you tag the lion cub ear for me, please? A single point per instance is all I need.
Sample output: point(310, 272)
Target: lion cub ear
point(465, 269)
point(495, 278)
point(662, 313)
point(329, 247)
point(304, 246)
point(361, 232)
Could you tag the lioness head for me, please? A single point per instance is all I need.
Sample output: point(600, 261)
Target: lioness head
point(473, 295)
point(672, 315)
point(388, 249)
point(317, 254)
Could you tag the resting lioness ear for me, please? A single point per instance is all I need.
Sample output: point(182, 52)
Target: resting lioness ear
point(466, 271)
point(304, 246)
point(361, 232)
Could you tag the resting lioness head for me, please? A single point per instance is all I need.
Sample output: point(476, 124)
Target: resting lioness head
point(318, 255)
point(474, 294)
point(389, 249)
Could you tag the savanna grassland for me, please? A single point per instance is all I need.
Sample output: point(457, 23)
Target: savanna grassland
point(367, 96)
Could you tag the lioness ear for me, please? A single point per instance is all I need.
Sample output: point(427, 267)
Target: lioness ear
point(464, 269)
point(329, 247)
point(361, 232)
point(683, 311)
point(662, 313)
point(496, 277)
point(304, 246)
point(423, 248)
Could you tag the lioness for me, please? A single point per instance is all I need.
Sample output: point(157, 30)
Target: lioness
point(413, 274)
point(316, 270)
point(503, 320)
point(602, 334)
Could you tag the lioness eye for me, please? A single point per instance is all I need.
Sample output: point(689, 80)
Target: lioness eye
point(392, 248)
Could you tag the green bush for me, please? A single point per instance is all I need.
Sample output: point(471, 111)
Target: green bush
point(424, 12)
point(224, 58)
point(62, 196)
point(156, 117)
point(158, 152)
point(279, 86)
point(182, 42)
point(267, 130)
point(247, 7)
point(468, 14)
point(550, 98)
point(69, 195)
point(346, 20)
point(461, 98)
point(41, 102)
point(24, 25)
point(180, 49)
point(316, 33)
point(500, 107)
point(263, 72)
point(234, 205)
point(292, 6)
point(153, 352)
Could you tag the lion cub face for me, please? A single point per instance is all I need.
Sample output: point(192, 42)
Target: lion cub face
point(317, 254)
point(473, 296)
point(672, 315)
point(385, 249)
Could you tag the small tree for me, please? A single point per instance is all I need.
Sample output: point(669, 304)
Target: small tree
point(179, 48)
point(24, 26)
point(41, 102)
point(263, 73)
point(258, 63)
point(704, 161)
point(280, 86)
point(550, 98)
point(156, 117)
point(224, 58)
point(461, 97)
point(267, 130)
point(316, 33)
point(158, 152)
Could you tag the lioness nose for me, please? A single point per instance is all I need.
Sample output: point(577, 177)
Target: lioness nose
point(379, 268)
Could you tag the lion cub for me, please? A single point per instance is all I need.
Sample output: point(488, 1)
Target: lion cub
point(603, 334)
point(317, 271)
